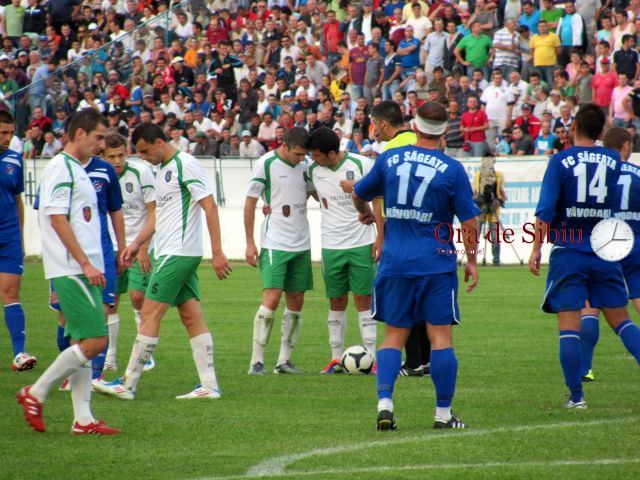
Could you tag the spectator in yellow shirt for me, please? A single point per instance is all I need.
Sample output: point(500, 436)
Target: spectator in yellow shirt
point(545, 48)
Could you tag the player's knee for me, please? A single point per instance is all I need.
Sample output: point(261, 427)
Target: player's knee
point(363, 302)
point(271, 298)
point(295, 300)
point(10, 293)
point(137, 299)
point(615, 316)
point(339, 304)
point(440, 336)
point(93, 346)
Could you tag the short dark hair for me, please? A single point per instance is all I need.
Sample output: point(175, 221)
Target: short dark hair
point(149, 132)
point(296, 137)
point(115, 140)
point(389, 111)
point(616, 137)
point(325, 140)
point(87, 119)
point(6, 117)
point(626, 37)
point(590, 121)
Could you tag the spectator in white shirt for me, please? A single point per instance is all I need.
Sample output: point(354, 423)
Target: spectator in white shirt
point(51, 145)
point(498, 100)
point(267, 130)
point(250, 147)
point(167, 105)
point(184, 28)
point(420, 23)
point(178, 141)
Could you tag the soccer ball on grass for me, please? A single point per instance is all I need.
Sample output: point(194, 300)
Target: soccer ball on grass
point(357, 360)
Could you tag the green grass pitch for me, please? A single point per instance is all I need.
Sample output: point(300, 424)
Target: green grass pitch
point(510, 390)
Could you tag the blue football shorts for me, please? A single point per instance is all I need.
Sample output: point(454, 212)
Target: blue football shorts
point(575, 277)
point(108, 293)
point(11, 256)
point(631, 271)
point(404, 302)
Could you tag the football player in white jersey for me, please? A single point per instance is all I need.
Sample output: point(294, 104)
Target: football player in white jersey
point(280, 179)
point(138, 207)
point(349, 248)
point(183, 192)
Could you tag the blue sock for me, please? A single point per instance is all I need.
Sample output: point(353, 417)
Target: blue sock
point(389, 363)
point(14, 318)
point(444, 368)
point(570, 359)
point(629, 333)
point(63, 342)
point(97, 363)
point(589, 334)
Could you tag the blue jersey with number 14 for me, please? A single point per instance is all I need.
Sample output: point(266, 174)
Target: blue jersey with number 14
point(578, 190)
point(423, 190)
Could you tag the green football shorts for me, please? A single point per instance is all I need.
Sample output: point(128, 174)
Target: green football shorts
point(81, 304)
point(174, 280)
point(288, 271)
point(350, 269)
point(134, 278)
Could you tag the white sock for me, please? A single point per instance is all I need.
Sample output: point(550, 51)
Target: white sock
point(257, 354)
point(202, 348)
point(337, 322)
point(443, 413)
point(291, 325)
point(67, 362)
point(113, 325)
point(385, 404)
point(138, 319)
point(80, 384)
point(368, 331)
point(143, 348)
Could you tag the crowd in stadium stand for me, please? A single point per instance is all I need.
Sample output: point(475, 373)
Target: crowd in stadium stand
point(227, 78)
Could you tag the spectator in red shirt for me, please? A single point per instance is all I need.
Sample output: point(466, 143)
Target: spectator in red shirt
point(41, 120)
point(260, 11)
point(216, 32)
point(528, 122)
point(331, 36)
point(116, 88)
point(473, 124)
point(603, 84)
point(279, 140)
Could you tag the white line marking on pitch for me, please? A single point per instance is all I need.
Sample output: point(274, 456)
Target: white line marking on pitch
point(276, 466)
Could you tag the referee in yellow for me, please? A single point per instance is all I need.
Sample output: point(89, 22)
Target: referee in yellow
point(389, 126)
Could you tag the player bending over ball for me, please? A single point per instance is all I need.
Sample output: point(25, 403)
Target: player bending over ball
point(73, 260)
point(578, 191)
point(417, 282)
point(629, 210)
point(11, 243)
point(182, 193)
point(349, 248)
point(279, 178)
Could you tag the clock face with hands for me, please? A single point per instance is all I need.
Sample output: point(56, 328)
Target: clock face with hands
point(612, 239)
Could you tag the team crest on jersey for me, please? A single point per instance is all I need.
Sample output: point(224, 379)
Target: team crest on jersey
point(350, 175)
point(86, 211)
point(128, 187)
point(286, 210)
point(98, 185)
point(167, 176)
point(9, 169)
point(325, 204)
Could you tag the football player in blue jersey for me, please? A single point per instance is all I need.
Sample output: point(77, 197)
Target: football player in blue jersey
point(579, 189)
point(11, 243)
point(107, 186)
point(618, 139)
point(417, 282)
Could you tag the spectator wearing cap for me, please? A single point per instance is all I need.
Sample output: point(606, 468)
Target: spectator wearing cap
point(250, 147)
point(572, 33)
point(545, 48)
point(367, 20)
point(204, 145)
point(603, 84)
point(506, 47)
point(555, 103)
point(530, 17)
point(115, 87)
point(627, 60)
point(183, 76)
point(476, 47)
point(528, 122)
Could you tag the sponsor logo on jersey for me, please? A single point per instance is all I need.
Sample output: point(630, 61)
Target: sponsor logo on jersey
point(325, 204)
point(129, 187)
point(167, 176)
point(350, 175)
point(9, 169)
point(97, 184)
point(286, 210)
point(86, 211)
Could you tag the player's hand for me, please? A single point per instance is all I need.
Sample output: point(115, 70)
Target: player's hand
point(367, 217)
point(120, 266)
point(471, 272)
point(377, 249)
point(130, 253)
point(266, 209)
point(94, 275)
point(144, 261)
point(221, 265)
point(347, 185)
point(251, 255)
point(534, 262)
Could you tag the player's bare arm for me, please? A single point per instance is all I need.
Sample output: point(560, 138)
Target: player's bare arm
point(117, 220)
point(219, 260)
point(130, 253)
point(366, 214)
point(470, 239)
point(63, 229)
point(377, 210)
point(536, 252)
point(251, 253)
point(143, 253)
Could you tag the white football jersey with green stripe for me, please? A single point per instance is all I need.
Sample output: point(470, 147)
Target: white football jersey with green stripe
point(284, 187)
point(180, 184)
point(67, 190)
point(340, 226)
point(137, 185)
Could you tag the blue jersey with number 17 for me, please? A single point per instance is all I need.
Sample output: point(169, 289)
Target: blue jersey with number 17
point(423, 190)
point(629, 204)
point(578, 190)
